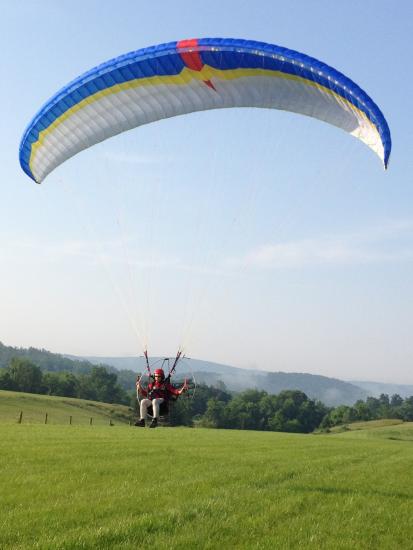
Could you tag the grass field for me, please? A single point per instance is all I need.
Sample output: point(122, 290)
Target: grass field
point(59, 410)
point(353, 426)
point(394, 432)
point(73, 487)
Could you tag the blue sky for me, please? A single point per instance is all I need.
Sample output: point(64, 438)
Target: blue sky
point(267, 239)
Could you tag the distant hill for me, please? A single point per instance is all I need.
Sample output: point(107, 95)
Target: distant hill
point(330, 391)
point(47, 361)
point(375, 389)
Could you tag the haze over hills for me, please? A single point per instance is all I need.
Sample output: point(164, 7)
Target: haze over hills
point(377, 388)
point(330, 391)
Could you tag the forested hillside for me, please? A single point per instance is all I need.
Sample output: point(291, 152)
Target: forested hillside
point(289, 410)
point(330, 391)
point(47, 361)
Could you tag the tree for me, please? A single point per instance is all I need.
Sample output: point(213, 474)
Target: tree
point(243, 411)
point(396, 400)
point(60, 383)
point(180, 412)
point(104, 384)
point(6, 382)
point(25, 375)
point(295, 412)
point(373, 404)
point(361, 411)
point(406, 409)
point(101, 385)
point(214, 416)
point(342, 415)
point(384, 410)
point(51, 383)
point(310, 415)
point(68, 384)
point(203, 394)
point(85, 389)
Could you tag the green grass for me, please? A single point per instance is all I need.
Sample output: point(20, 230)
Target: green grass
point(397, 431)
point(58, 409)
point(366, 425)
point(72, 487)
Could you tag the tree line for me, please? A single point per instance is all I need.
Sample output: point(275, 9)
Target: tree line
point(212, 407)
point(54, 362)
point(44, 359)
point(97, 385)
point(373, 408)
point(288, 411)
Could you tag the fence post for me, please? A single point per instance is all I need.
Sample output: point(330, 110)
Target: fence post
point(91, 421)
point(20, 418)
point(70, 420)
point(110, 422)
point(45, 419)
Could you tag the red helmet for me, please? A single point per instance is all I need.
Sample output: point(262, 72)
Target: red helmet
point(160, 372)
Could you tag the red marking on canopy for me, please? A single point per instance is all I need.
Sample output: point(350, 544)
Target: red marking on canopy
point(192, 59)
point(209, 83)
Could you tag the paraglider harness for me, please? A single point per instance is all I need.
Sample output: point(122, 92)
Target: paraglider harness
point(162, 391)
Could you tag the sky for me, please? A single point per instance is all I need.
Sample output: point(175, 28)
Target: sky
point(259, 239)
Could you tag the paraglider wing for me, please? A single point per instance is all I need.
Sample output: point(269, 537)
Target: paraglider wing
point(194, 75)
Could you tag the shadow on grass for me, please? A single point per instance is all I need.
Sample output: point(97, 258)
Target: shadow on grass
point(347, 492)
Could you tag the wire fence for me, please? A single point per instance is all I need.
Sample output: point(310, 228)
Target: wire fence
point(46, 417)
